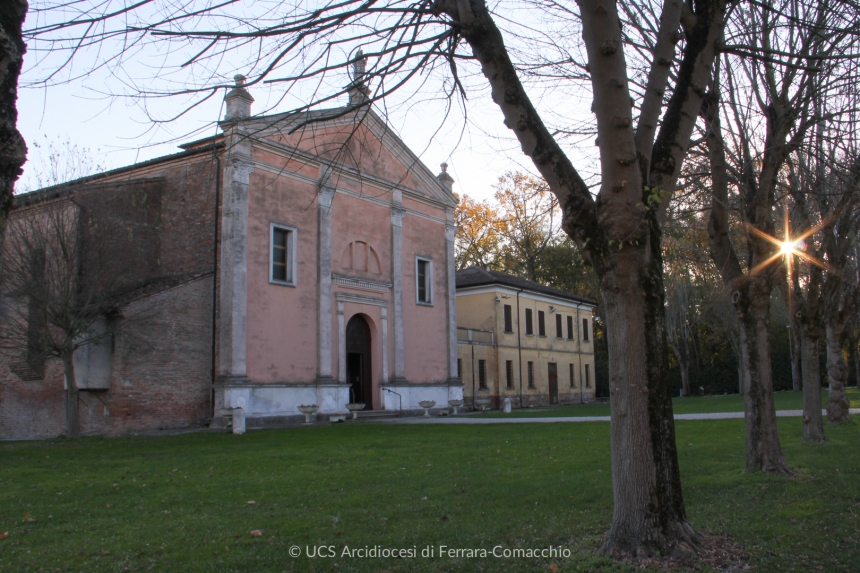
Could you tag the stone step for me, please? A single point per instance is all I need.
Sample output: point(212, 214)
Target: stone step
point(378, 414)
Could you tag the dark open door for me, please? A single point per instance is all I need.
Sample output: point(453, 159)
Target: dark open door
point(553, 383)
point(358, 373)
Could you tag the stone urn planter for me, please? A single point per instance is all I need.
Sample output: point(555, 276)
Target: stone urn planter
point(427, 404)
point(355, 409)
point(483, 404)
point(308, 410)
point(455, 405)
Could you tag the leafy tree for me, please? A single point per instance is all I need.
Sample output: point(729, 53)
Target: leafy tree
point(528, 220)
point(479, 234)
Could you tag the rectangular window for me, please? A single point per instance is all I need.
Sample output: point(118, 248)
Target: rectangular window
point(509, 323)
point(570, 328)
point(585, 329)
point(424, 280)
point(587, 377)
point(509, 373)
point(460, 368)
point(558, 333)
point(541, 324)
point(529, 326)
point(282, 264)
point(572, 377)
point(482, 374)
point(531, 374)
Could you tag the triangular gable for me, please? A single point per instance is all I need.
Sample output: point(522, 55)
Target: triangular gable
point(269, 126)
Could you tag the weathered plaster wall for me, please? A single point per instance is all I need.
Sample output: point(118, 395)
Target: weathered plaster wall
point(282, 320)
point(425, 327)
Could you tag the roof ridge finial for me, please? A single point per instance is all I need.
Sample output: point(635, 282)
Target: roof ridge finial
point(358, 89)
point(238, 101)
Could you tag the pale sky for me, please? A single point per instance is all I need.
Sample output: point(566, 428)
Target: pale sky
point(119, 131)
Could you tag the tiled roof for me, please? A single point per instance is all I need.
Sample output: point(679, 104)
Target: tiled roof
point(481, 276)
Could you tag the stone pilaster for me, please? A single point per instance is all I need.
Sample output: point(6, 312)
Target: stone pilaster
point(341, 343)
point(325, 197)
point(384, 315)
point(397, 214)
point(450, 231)
point(234, 271)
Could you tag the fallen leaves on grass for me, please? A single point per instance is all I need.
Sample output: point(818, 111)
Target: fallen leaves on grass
point(716, 552)
point(257, 533)
point(4, 535)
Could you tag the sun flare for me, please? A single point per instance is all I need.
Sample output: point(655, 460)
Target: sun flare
point(788, 247)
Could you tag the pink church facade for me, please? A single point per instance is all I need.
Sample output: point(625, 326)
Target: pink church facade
point(337, 267)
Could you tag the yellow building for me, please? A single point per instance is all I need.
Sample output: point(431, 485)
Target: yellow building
point(522, 340)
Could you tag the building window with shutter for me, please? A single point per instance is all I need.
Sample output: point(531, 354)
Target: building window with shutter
point(572, 377)
point(558, 332)
point(531, 374)
point(482, 374)
point(529, 326)
point(460, 368)
point(541, 324)
point(509, 323)
point(570, 328)
point(585, 330)
point(423, 281)
point(282, 261)
point(587, 377)
point(509, 373)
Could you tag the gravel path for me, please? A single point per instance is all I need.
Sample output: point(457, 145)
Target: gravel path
point(548, 420)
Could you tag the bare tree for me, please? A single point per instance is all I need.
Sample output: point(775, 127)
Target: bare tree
point(67, 268)
point(647, 79)
point(790, 51)
point(683, 312)
point(807, 307)
point(841, 285)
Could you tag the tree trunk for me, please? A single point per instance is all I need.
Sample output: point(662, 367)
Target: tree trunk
point(13, 150)
point(683, 363)
point(837, 374)
point(796, 383)
point(813, 426)
point(685, 377)
point(764, 451)
point(649, 515)
point(73, 421)
point(856, 362)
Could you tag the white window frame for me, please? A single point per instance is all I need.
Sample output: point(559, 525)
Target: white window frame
point(429, 281)
point(292, 267)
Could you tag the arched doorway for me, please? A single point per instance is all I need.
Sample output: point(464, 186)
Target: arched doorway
point(358, 371)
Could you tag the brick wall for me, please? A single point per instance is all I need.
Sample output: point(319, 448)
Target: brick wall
point(162, 356)
point(161, 378)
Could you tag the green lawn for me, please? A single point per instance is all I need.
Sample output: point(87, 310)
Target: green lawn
point(182, 503)
point(689, 405)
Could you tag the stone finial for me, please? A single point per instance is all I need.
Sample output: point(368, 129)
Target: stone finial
point(445, 178)
point(238, 100)
point(358, 89)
